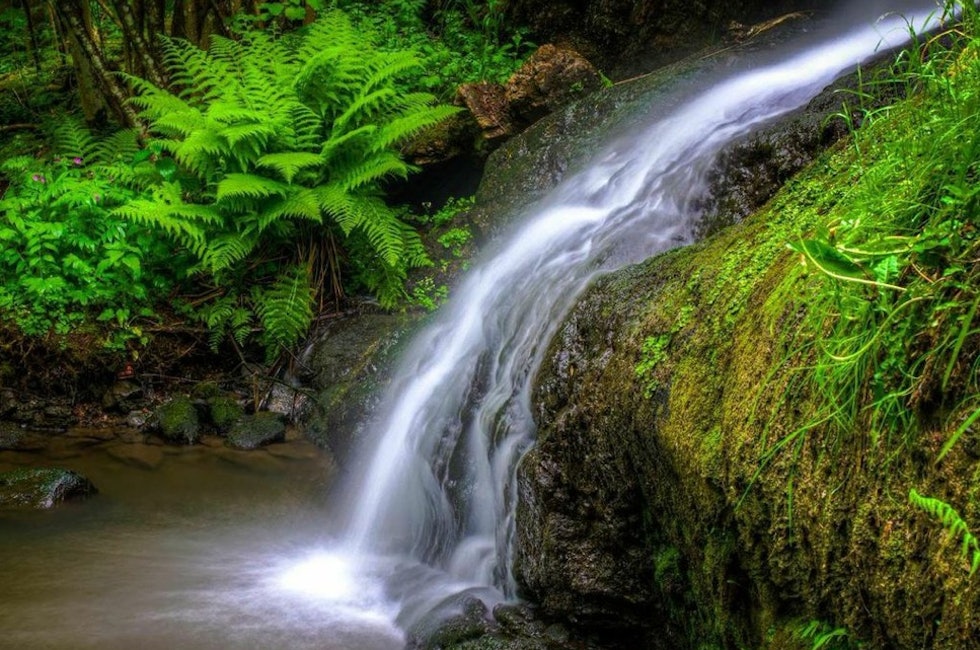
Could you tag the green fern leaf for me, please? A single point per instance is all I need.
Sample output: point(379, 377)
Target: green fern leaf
point(249, 186)
point(289, 164)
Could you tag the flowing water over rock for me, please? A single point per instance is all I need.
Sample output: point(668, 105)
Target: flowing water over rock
point(184, 554)
point(436, 487)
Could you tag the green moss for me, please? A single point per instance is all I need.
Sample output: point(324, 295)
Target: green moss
point(224, 412)
point(178, 421)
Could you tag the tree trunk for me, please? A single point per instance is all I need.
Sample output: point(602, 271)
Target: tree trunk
point(31, 34)
point(146, 61)
point(94, 73)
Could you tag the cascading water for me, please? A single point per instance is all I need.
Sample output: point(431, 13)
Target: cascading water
point(437, 492)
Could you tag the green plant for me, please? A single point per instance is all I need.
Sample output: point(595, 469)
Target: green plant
point(654, 352)
point(465, 41)
point(824, 635)
point(953, 523)
point(67, 257)
point(897, 309)
point(281, 147)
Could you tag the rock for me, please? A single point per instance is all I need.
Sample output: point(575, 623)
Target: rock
point(138, 419)
point(178, 421)
point(123, 396)
point(347, 367)
point(253, 431)
point(436, 631)
point(224, 412)
point(27, 489)
point(13, 436)
point(487, 103)
point(8, 402)
point(551, 78)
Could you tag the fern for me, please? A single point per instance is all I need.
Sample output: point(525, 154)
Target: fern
point(953, 523)
point(279, 139)
point(286, 308)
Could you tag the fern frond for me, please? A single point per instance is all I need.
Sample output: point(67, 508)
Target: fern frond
point(407, 126)
point(375, 169)
point(286, 308)
point(299, 204)
point(120, 146)
point(249, 186)
point(953, 523)
point(224, 251)
point(72, 139)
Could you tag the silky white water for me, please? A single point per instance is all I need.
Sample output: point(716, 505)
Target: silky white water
point(436, 487)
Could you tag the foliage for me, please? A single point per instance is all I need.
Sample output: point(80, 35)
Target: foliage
point(66, 255)
point(897, 312)
point(281, 147)
point(953, 523)
point(465, 41)
point(825, 636)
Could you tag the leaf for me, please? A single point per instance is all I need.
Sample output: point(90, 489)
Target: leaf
point(827, 258)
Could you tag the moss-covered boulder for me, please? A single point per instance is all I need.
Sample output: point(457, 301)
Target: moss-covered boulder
point(348, 366)
point(254, 431)
point(224, 412)
point(41, 488)
point(178, 421)
point(682, 493)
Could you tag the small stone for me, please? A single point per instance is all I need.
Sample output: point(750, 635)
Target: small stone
point(224, 412)
point(122, 396)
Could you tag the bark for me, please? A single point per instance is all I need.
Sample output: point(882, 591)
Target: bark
point(146, 59)
point(90, 63)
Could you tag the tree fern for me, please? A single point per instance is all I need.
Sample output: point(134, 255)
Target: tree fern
point(953, 523)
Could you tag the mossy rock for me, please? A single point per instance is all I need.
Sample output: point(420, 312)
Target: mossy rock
point(41, 488)
point(253, 431)
point(224, 412)
point(178, 421)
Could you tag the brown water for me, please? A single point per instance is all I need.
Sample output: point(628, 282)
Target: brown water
point(183, 547)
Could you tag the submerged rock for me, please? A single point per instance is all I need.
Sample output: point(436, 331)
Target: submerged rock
point(254, 431)
point(39, 489)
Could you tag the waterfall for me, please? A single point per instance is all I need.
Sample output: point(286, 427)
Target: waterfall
point(437, 486)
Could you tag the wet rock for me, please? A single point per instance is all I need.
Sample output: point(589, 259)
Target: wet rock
point(224, 412)
point(123, 396)
point(435, 631)
point(178, 421)
point(138, 419)
point(27, 489)
point(253, 431)
point(8, 402)
point(348, 365)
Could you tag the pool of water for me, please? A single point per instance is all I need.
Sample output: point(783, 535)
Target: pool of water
point(186, 547)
